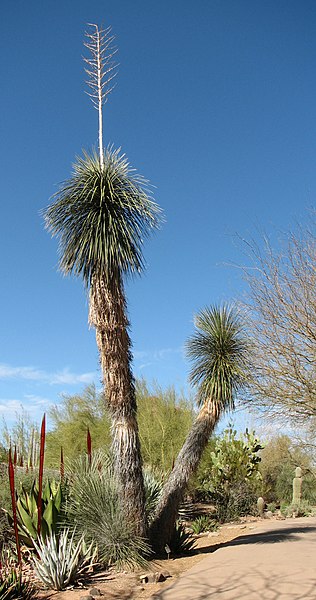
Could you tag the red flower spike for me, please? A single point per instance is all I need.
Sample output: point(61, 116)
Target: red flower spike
point(89, 446)
point(40, 476)
point(13, 501)
point(62, 464)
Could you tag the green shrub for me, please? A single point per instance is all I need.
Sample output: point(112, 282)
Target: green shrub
point(164, 419)
point(304, 509)
point(237, 501)
point(204, 523)
point(229, 475)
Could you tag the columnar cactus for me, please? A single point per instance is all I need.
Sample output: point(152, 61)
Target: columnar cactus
point(297, 487)
point(260, 506)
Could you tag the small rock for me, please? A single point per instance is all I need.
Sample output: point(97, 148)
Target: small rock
point(159, 577)
point(166, 574)
point(268, 514)
point(154, 577)
point(88, 597)
point(148, 578)
point(243, 527)
point(95, 592)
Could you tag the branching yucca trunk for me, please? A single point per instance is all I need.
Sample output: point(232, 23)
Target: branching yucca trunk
point(186, 464)
point(108, 316)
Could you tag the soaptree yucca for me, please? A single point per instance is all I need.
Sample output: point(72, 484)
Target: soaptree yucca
point(219, 351)
point(101, 216)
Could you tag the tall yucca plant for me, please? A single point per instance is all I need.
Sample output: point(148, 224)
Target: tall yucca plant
point(101, 216)
point(219, 351)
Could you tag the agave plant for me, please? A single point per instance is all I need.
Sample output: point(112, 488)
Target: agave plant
point(27, 514)
point(62, 560)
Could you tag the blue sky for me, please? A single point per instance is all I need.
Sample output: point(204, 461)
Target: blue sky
point(214, 104)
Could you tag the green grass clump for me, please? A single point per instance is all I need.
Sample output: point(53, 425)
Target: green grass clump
point(95, 510)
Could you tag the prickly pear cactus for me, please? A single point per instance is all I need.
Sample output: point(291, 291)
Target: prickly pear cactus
point(260, 506)
point(297, 486)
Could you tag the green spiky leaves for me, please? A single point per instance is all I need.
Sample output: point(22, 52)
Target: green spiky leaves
point(101, 217)
point(219, 351)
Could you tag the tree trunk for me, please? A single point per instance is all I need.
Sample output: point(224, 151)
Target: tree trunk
point(162, 527)
point(108, 315)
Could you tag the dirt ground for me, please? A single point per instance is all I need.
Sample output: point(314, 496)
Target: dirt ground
point(126, 586)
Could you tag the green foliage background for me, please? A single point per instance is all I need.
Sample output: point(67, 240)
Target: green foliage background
point(164, 419)
point(280, 457)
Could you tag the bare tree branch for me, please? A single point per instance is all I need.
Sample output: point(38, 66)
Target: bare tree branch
point(282, 309)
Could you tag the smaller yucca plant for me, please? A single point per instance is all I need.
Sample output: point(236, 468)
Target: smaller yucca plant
point(61, 560)
point(181, 541)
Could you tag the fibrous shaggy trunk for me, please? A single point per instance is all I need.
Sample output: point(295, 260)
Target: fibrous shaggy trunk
point(162, 527)
point(108, 315)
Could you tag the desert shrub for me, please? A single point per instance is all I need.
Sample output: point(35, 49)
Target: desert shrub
point(52, 501)
point(229, 474)
point(95, 511)
point(234, 502)
point(279, 459)
point(204, 523)
point(70, 420)
point(23, 480)
point(304, 509)
point(5, 529)
point(164, 419)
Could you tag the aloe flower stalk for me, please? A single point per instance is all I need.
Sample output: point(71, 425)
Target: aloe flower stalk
point(89, 446)
point(40, 475)
point(13, 502)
